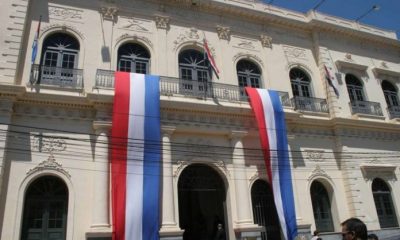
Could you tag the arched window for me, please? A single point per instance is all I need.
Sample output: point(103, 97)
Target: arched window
point(392, 99)
point(133, 58)
point(193, 70)
point(45, 210)
point(300, 83)
point(321, 204)
point(59, 61)
point(264, 210)
point(248, 75)
point(383, 203)
point(354, 88)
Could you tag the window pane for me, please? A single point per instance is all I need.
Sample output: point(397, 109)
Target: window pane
point(124, 65)
point(50, 59)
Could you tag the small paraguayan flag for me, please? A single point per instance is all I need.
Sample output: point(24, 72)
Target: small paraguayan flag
point(35, 42)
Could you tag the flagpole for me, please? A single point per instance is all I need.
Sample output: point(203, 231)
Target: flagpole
point(205, 65)
point(35, 50)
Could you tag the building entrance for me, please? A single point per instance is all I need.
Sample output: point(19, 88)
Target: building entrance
point(202, 195)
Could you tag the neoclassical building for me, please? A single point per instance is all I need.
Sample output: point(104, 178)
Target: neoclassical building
point(55, 116)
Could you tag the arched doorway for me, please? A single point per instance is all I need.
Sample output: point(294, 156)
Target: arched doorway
point(45, 210)
point(264, 210)
point(202, 195)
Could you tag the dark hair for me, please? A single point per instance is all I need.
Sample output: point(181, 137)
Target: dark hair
point(316, 232)
point(356, 226)
point(373, 236)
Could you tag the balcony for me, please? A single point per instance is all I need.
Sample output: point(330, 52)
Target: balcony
point(310, 104)
point(394, 112)
point(170, 86)
point(56, 77)
point(365, 107)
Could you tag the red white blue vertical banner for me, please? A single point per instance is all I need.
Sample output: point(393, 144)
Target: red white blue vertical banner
point(135, 157)
point(271, 123)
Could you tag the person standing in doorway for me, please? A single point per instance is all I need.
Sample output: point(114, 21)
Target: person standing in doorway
point(220, 234)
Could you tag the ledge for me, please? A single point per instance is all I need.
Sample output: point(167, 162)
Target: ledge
point(385, 71)
point(366, 116)
point(378, 167)
point(348, 64)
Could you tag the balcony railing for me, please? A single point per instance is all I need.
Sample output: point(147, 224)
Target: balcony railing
point(365, 107)
point(57, 76)
point(170, 86)
point(310, 104)
point(394, 111)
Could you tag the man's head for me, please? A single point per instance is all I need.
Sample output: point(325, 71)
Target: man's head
point(354, 228)
point(316, 233)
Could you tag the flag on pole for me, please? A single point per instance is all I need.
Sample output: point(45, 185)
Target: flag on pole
point(270, 118)
point(210, 58)
point(135, 157)
point(35, 42)
point(331, 81)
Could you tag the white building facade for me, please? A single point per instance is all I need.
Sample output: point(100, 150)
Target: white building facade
point(55, 116)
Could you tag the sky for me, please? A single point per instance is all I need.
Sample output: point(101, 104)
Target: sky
point(387, 17)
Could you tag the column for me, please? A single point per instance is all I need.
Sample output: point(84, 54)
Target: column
point(5, 119)
point(169, 227)
point(101, 178)
point(240, 179)
point(244, 226)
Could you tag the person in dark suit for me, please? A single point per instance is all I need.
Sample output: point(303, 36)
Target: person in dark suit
point(220, 234)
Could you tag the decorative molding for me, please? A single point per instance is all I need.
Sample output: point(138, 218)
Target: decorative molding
point(224, 33)
point(56, 111)
point(49, 164)
point(348, 57)
point(318, 172)
point(48, 144)
point(181, 165)
point(109, 13)
point(135, 37)
point(221, 164)
point(257, 175)
point(246, 45)
point(314, 155)
point(191, 35)
point(266, 41)
point(162, 22)
point(63, 27)
point(248, 56)
point(134, 24)
point(206, 119)
point(63, 13)
point(295, 52)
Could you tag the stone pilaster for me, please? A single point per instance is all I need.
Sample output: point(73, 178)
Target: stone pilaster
point(101, 179)
point(169, 227)
point(243, 226)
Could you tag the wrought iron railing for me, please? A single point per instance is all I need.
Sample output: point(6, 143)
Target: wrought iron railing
point(310, 104)
point(394, 112)
point(170, 86)
point(57, 76)
point(365, 107)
